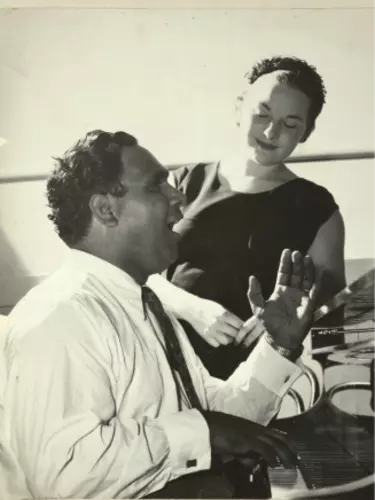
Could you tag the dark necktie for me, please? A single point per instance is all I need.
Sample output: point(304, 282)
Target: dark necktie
point(174, 353)
point(239, 478)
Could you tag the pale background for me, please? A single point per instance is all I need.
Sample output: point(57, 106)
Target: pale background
point(170, 77)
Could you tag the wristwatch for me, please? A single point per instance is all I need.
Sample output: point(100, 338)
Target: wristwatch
point(290, 354)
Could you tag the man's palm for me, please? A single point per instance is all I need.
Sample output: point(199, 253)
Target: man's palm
point(287, 314)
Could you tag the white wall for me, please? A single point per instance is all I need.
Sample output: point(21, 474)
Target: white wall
point(169, 77)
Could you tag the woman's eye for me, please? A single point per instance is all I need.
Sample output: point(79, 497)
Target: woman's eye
point(289, 125)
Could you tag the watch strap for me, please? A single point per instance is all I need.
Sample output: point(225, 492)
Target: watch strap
point(290, 354)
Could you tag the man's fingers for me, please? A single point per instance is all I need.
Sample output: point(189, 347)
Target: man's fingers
point(255, 296)
point(296, 271)
point(319, 275)
point(313, 296)
point(280, 439)
point(274, 451)
point(250, 461)
point(297, 276)
point(277, 434)
point(262, 448)
point(309, 274)
point(285, 269)
point(313, 293)
point(287, 457)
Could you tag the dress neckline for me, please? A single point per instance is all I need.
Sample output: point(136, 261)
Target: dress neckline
point(227, 190)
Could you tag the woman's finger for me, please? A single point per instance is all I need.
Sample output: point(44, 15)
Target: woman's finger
point(210, 340)
point(226, 329)
point(254, 336)
point(232, 320)
point(223, 338)
point(247, 328)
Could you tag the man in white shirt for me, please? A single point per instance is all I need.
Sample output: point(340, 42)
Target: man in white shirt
point(91, 405)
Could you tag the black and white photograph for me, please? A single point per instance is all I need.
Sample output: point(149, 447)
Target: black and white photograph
point(187, 250)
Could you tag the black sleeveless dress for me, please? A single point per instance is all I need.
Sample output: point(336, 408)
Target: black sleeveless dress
point(228, 236)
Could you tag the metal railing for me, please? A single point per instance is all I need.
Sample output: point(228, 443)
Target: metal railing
point(326, 157)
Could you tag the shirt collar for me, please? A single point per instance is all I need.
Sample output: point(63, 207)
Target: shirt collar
point(105, 271)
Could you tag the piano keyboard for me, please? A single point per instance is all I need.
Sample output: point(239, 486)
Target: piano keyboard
point(330, 455)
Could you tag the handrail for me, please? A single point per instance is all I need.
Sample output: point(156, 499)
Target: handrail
point(345, 386)
point(361, 155)
point(314, 382)
point(297, 398)
point(22, 178)
point(312, 158)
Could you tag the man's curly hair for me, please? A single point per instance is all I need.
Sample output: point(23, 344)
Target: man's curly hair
point(92, 165)
point(298, 74)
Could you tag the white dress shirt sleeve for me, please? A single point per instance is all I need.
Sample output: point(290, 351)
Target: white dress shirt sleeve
point(256, 388)
point(65, 430)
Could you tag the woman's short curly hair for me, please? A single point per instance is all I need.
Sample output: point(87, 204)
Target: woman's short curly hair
point(298, 74)
point(93, 165)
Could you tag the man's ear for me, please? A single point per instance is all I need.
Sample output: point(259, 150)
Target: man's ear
point(102, 209)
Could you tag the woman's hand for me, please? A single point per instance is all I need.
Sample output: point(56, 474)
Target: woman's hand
point(250, 331)
point(213, 322)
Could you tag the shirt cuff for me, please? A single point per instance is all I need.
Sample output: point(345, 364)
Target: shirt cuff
point(272, 370)
point(188, 436)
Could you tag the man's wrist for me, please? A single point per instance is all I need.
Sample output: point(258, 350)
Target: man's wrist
point(290, 353)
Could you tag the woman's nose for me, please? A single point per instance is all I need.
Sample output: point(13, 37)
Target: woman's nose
point(272, 131)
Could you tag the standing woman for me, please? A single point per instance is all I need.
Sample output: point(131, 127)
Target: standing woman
point(241, 213)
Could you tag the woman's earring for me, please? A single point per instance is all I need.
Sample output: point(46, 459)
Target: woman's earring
point(238, 107)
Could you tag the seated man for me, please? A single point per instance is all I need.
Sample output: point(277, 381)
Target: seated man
point(103, 394)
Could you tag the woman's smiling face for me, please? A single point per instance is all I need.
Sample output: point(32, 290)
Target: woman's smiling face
point(273, 119)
